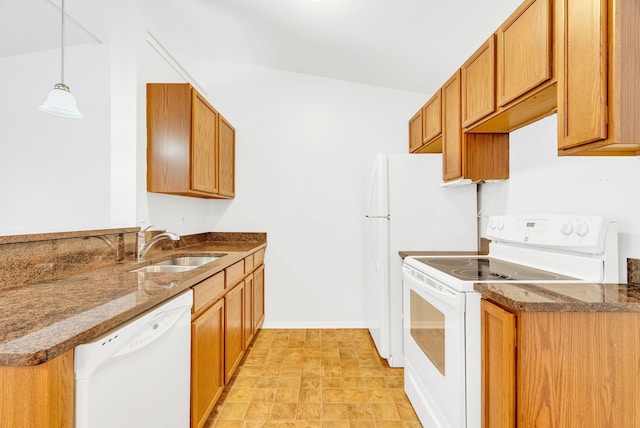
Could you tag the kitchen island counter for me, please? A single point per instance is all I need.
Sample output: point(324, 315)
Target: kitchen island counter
point(575, 297)
point(42, 320)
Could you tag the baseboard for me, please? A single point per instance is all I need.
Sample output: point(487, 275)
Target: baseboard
point(314, 324)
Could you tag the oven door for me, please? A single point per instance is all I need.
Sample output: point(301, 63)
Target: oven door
point(434, 347)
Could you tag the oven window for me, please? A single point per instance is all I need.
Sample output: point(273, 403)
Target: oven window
point(427, 329)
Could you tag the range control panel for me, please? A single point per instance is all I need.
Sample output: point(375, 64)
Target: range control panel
point(572, 231)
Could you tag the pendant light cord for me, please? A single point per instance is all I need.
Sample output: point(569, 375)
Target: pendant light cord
point(62, 46)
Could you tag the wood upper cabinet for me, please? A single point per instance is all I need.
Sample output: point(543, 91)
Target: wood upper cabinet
point(479, 84)
point(425, 127)
point(207, 362)
point(432, 123)
point(227, 159)
point(452, 154)
point(469, 156)
point(598, 85)
point(572, 369)
point(190, 147)
point(525, 50)
point(415, 132)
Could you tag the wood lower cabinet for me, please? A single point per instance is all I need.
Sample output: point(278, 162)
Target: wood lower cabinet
point(498, 367)
point(38, 396)
point(234, 345)
point(598, 85)
point(190, 146)
point(207, 362)
point(248, 311)
point(223, 326)
point(258, 298)
point(572, 369)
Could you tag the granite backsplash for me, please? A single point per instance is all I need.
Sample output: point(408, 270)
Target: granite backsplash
point(633, 271)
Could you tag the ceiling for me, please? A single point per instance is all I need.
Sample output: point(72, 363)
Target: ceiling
point(412, 45)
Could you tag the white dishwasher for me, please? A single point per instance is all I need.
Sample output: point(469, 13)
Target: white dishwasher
point(139, 374)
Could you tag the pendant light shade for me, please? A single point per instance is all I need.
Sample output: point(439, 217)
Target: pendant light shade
point(60, 101)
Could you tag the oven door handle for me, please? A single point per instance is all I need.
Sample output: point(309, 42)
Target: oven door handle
point(450, 298)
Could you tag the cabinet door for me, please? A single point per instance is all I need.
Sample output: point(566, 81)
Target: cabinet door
point(452, 154)
point(233, 330)
point(258, 297)
point(248, 311)
point(525, 55)
point(498, 367)
point(582, 76)
point(227, 154)
point(207, 362)
point(432, 113)
point(478, 84)
point(415, 132)
point(204, 150)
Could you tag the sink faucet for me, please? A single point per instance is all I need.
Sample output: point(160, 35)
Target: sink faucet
point(144, 247)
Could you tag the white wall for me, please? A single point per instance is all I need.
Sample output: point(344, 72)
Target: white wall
point(54, 172)
point(542, 182)
point(303, 147)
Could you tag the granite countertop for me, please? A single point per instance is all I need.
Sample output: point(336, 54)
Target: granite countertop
point(40, 321)
point(574, 297)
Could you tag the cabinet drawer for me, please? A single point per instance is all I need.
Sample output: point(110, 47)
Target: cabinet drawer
point(207, 291)
point(258, 257)
point(248, 264)
point(234, 273)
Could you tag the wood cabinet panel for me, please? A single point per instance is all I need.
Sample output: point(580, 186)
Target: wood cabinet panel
point(207, 292)
point(432, 114)
point(248, 311)
point(583, 73)
point(227, 153)
point(234, 273)
point(258, 257)
point(168, 138)
point(498, 367)
point(258, 297)
point(415, 132)
point(525, 55)
point(233, 330)
point(38, 396)
point(452, 153)
point(204, 146)
point(207, 362)
point(478, 84)
point(598, 87)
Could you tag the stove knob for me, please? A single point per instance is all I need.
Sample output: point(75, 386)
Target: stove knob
point(500, 225)
point(566, 229)
point(582, 229)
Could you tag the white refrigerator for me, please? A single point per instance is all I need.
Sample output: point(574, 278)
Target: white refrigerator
point(408, 210)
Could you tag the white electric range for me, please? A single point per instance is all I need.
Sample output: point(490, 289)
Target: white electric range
point(442, 310)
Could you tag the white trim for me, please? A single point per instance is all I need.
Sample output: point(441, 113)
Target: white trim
point(172, 61)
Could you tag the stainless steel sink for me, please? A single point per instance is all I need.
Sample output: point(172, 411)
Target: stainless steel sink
point(187, 261)
point(163, 268)
point(178, 264)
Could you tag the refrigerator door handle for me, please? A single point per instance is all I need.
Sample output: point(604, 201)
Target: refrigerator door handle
point(388, 217)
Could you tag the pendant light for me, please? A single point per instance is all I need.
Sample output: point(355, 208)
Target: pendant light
point(60, 101)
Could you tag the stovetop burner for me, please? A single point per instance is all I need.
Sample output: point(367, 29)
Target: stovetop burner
point(489, 269)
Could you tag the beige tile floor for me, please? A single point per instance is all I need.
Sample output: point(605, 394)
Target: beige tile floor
point(314, 378)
